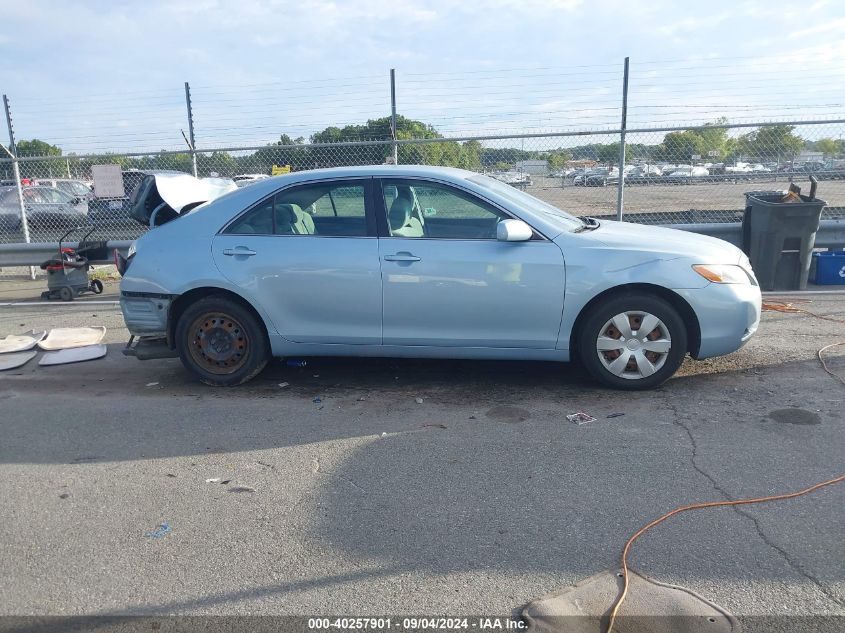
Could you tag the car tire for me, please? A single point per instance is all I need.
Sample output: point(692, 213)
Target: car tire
point(221, 341)
point(626, 358)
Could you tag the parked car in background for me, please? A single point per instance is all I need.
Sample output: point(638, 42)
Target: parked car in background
point(686, 173)
point(242, 180)
point(513, 178)
point(45, 207)
point(434, 262)
point(582, 177)
point(602, 178)
point(814, 166)
point(10, 213)
point(644, 171)
point(75, 188)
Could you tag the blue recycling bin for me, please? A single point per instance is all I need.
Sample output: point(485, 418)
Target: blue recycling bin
point(830, 268)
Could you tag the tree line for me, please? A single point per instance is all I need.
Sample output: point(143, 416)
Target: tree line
point(711, 142)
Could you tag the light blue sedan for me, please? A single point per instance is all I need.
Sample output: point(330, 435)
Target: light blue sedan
point(428, 262)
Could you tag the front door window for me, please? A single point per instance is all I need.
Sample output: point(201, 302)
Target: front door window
point(420, 209)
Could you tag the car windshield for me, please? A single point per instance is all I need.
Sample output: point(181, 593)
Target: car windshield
point(526, 200)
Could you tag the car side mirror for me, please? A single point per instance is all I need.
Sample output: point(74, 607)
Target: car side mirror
point(513, 231)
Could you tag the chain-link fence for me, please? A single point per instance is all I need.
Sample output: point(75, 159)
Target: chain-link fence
point(559, 134)
point(694, 175)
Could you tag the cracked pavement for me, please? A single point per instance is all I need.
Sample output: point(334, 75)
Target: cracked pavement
point(363, 503)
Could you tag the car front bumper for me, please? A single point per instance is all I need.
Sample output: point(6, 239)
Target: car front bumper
point(728, 316)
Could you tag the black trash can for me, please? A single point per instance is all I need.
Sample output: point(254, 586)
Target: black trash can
point(779, 237)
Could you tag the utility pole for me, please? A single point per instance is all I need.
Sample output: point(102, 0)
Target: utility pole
point(620, 188)
point(393, 115)
point(192, 144)
point(13, 154)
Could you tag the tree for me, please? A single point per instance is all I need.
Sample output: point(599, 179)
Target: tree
point(220, 163)
point(558, 159)
point(608, 153)
point(828, 146)
point(284, 139)
point(715, 139)
point(679, 147)
point(37, 148)
point(710, 140)
point(770, 142)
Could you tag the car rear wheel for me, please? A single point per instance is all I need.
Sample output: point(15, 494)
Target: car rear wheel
point(222, 342)
point(633, 341)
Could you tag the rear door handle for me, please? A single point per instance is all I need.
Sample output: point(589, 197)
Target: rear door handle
point(240, 250)
point(401, 257)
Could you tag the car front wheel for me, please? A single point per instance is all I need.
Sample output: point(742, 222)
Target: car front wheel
point(633, 341)
point(221, 341)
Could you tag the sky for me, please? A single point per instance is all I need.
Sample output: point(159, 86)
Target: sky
point(95, 75)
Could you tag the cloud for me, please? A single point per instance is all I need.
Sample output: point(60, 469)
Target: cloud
point(834, 25)
point(692, 23)
point(261, 67)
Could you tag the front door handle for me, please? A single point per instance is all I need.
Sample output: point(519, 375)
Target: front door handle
point(240, 250)
point(401, 257)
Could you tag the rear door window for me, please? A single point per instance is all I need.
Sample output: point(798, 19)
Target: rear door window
point(324, 209)
point(257, 221)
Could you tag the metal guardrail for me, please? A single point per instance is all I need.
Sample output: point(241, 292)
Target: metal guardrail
point(727, 225)
point(831, 234)
point(766, 176)
point(36, 254)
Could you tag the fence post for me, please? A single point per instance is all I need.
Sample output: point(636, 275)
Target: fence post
point(393, 115)
point(620, 188)
point(191, 128)
point(16, 170)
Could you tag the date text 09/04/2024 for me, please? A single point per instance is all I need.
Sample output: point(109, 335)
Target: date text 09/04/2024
point(417, 624)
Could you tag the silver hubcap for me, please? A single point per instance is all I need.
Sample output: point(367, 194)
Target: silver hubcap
point(633, 345)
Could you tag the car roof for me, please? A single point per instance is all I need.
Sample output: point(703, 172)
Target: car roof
point(384, 171)
point(266, 185)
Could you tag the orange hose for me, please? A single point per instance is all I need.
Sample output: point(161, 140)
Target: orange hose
point(697, 506)
point(773, 306)
point(824, 364)
point(777, 306)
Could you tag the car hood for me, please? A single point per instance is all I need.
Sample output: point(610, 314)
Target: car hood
point(665, 242)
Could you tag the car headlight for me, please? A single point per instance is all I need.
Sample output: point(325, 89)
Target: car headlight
point(723, 273)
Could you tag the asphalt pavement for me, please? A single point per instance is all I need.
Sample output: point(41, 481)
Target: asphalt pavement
point(379, 486)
